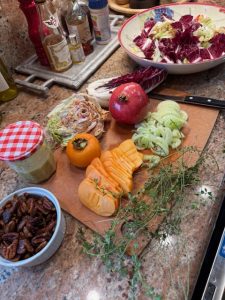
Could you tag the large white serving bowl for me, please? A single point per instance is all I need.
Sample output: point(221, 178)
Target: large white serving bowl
point(134, 25)
point(56, 239)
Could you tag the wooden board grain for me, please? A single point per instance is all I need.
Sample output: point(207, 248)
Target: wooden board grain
point(64, 183)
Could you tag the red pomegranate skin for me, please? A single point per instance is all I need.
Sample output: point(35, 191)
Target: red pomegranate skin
point(128, 103)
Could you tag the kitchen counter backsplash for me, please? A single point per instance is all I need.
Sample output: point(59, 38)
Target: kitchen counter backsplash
point(15, 45)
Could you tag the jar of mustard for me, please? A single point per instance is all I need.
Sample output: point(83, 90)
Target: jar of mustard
point(24, 149)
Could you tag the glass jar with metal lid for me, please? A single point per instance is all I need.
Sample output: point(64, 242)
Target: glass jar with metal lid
point(24, 149)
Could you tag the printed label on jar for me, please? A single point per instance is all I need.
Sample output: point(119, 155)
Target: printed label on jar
point(81, 30)
point(77, 54)
point(60, 55)
point(101, 25)
point(3, 83)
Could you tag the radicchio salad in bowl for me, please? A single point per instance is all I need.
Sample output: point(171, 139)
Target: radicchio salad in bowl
point(182, 38)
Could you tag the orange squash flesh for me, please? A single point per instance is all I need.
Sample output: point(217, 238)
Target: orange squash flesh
point(101, 180)
point(103, 204)
point(121, 158)
point(99, 166)
point(108, 176)
point(108, 159)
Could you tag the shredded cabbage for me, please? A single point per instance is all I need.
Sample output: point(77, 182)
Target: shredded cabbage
point(161, 129)
point(163, 30)
point(59, 133)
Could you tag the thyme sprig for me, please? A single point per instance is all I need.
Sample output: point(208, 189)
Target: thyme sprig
point(164, 188)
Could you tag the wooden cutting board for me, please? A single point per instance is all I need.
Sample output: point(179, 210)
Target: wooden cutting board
point(64, 183)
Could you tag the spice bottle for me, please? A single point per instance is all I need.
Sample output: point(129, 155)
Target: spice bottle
point(84, 6)
point(30, 11)
point(53, 38)
point(76, 49)
point(8, 89)
point(24, 149)
point(78, 24)
point(100, 19)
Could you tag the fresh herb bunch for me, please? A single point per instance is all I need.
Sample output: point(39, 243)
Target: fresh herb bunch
point(164, 188)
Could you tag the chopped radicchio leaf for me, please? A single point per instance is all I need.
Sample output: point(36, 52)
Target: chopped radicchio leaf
point(204, 53)
point(148, 78)
point(149, 25)
point(185, 45)
point(177, 25)
point(193, 55)
point(186, 20)
point(218, 45)
point(146, 45)
point(186, 38)
point(215, 51)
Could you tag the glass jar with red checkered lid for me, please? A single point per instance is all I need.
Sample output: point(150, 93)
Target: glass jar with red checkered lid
point(24, 149)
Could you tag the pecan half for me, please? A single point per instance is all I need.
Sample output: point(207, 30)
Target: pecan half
point(38, 222)
point(41, 209)
point(50, 227)
point(48, 204)
point(50, 217)
point(8, 205)
point(10, 227)
point(9, 252)
point(23, 207)
point(26, 232)
point(21, 224)
point(41, 246)
point(38, 239)
point(31, 206)
point(24, 246)
point(28, 246)
point(10, 237)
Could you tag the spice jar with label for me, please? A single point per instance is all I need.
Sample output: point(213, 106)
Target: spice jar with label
point(24, 149)
point(78, 24)
point(76, 49)
point(100, 18)
point(53, 38)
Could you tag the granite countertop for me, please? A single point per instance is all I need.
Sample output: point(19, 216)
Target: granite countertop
point(170, 265)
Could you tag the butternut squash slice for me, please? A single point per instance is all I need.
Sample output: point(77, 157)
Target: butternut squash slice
point(108, 159)
point(121, 158)
point(125, 182)
point(102, 181)
point(97, 200)
point(99, 166)
point(130, 150)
